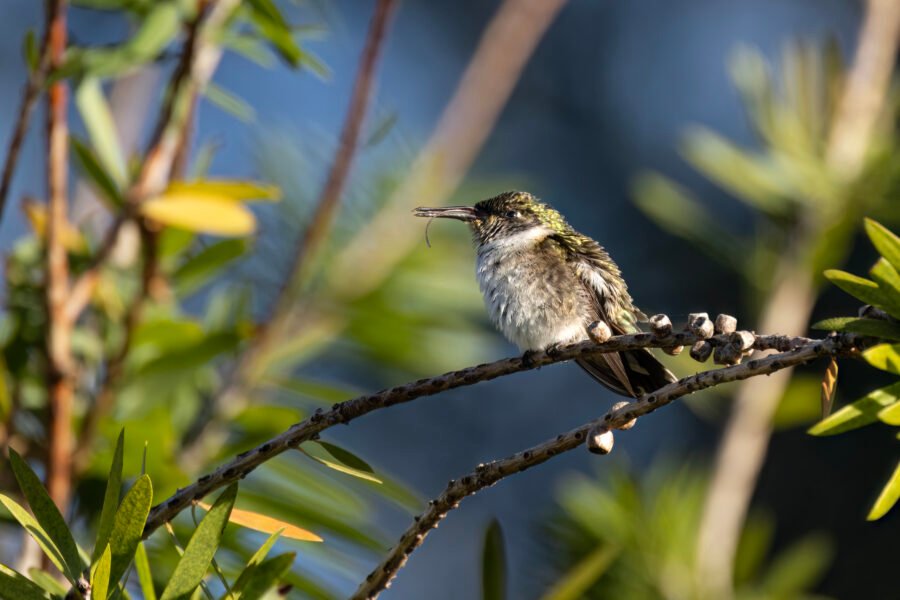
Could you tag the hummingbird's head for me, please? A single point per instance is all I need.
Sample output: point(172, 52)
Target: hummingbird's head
point(508, 214)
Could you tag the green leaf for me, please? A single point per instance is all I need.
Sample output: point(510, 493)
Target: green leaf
point(279, 37)
point(887, 498)
point(884, 356)
point(890, 415)
point(100, 576)
point(48, 582)
point(206, 264)
point(864, 289)
point(128, 526)
point(868, 327)
point(101, 128)
point(142, 566)
point(229, 102)
point(110, 499)
point(339, 466)
point(493, 563)
point(40, 536)
point(264, 576)
point(200, 550)
point(578, 580)
point(89, 165)
point(30, 51)
point(15, 586)
point(47, 514)
point(862, 412)
point(885, 241)
point(888, 280)
point(346, 457)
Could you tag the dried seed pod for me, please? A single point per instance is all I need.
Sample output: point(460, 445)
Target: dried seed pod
point(623, 404)
point(729, 354)
point(743, 339)
point(673, 350)
point(701, 351)
point(660, 325)
point(700, 325)
point(599, 332)
point(600, 440)
point(725, 324)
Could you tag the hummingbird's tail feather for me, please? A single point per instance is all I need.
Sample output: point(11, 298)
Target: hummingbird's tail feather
point(629, 373)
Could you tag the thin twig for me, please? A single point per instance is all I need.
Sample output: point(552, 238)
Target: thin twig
point(486, 475)
point(345, 412)
point(30, 95)
point(60, 367)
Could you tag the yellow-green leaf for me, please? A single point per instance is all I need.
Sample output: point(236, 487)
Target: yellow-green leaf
point(886, 242)
point(864, 289)
point(15, 585)
point(216, 215)
point(266, 524)
point(100, 576)
point(110, 498)
point(340, 467)
point(128, 526)
point(582, 576)
point(862, 412)
point(890, 415)
point(72, 240)
point(226, 188)
point(887, 498)
point(142, 566)
point(884, 356)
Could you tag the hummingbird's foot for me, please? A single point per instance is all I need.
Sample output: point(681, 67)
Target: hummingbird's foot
point(553, 349)
point(528, 358)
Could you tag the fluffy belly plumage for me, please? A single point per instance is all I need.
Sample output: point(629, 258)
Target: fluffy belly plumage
point(533, 307)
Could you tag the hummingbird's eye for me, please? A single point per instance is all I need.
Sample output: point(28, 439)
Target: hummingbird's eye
point(512, 214)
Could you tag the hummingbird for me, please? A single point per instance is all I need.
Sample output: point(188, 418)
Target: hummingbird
point(544, 283)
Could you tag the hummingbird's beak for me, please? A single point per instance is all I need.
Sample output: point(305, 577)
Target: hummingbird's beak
point(460, 213)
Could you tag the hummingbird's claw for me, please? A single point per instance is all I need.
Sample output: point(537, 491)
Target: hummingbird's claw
point(528, 358)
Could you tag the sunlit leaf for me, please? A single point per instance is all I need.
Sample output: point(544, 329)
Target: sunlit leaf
point(887, 498)
point(201, 548)
point(259, 522)
point(15, 586)
point(829, 384)
point(580, 578)
point(229, 102)
point(34, 529)
point(860, 413)
point(865, 290)
point(309, 451)
point(886, 242)
point(264, 576)
point(48, 582)
point(72, 240)
point(225, 189)
point(47, 514)
point(868, 327)
point(346, 457)
point(101, 128)
point(884, 356)
point(110, 499)
point(890, 415)
point(201, 214)
point(142, 566)
point(100, 575)
point(128, 526)
point(493, 563)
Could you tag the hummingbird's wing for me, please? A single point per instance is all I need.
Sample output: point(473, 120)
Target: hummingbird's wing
point(629, 373)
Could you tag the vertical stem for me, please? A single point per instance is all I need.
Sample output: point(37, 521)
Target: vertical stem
point(60, 375)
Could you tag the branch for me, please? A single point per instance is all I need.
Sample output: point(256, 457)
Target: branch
point(199, 60)
point(344, 412)
point(620, 417)
point(60, 374)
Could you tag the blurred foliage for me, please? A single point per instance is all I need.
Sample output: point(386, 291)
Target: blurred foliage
point(883, 404)
point(634, 538)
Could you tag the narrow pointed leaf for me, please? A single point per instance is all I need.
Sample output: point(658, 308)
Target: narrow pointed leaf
point(346, 457)
point(15, 586)
point(887, 498)
point(142, 566)
point(862, 412)
point(110, 499)
point(48, 582)
point(341, 467)
point(884, 356)
point(206, 264)
point(863, 289)
point(100, 576)
point(198, 554)
point(101, 127)
point(47, 514)
point(888, 280)
point(266, 575)
point(493, 564)
point(829, 384)
point(868, 327)
point(258, 522)
point(582, 576)
point(201, 214)
point(230, 103)
point(886, 242)
point(128, 526)
point(225, 189)
point(89, 165)
point(890, 415)
point(34, 529)
point(254, 561)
